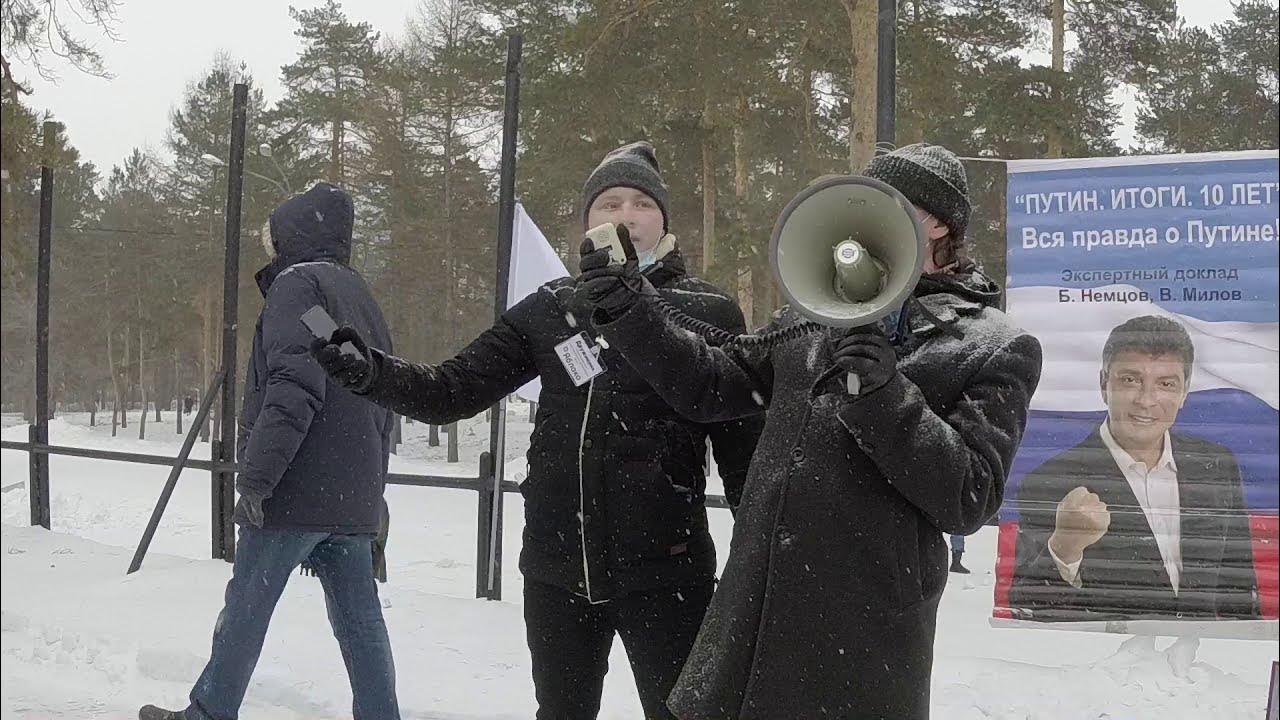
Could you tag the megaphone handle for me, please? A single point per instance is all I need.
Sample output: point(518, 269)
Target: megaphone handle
point(854, 384)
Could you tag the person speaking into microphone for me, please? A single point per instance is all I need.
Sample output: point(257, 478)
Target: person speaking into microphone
point(827, 605)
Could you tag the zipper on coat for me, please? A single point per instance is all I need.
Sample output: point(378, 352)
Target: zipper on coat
point(582, 494)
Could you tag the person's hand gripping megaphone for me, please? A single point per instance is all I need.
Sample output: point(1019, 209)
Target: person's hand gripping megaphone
point(868, 357)
point(610, 272)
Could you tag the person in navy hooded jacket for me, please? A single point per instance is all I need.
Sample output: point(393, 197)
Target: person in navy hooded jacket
point(314, 462)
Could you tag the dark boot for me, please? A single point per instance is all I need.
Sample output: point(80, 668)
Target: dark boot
point(151, 712)
point(956, 567)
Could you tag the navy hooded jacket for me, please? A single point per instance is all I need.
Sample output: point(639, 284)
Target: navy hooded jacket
point(315, 451)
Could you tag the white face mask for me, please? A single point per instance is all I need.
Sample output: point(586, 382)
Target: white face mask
point(647, 257)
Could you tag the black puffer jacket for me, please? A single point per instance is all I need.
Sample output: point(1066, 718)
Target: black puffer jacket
point(828, 601)
point(317, 452)
point(614, 501)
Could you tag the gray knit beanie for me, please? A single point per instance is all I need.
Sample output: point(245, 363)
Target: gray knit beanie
point(932, 178)
point(633, 166)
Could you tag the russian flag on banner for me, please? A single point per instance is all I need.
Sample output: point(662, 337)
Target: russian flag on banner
point(533, 264)
point(1152, 244)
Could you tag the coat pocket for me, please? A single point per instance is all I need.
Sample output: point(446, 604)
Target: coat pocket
point(550, 495)
point(646, 521)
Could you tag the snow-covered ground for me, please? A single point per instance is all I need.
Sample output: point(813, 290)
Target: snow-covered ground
point(83, 640)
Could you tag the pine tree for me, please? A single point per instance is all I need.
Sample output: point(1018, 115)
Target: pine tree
point(327, 80)
point(1214, 89)
point(1117, 41)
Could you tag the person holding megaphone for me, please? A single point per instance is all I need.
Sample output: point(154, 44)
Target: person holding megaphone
point(891, 420)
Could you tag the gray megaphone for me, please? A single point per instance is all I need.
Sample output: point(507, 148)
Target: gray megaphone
point(847, 252)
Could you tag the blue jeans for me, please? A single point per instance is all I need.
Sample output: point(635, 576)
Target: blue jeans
point(264, 561)
point(957, 543)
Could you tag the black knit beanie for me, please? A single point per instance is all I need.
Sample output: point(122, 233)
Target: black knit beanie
point(633, 166)
point(932, 178)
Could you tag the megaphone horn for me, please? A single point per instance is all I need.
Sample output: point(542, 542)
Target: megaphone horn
point(847, 251)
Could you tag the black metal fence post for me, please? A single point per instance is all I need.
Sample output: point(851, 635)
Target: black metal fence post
point(39, 484)
point(489, 571)
point(886, 72)
point(483, 514)
point(224, 538)
point(38, 467)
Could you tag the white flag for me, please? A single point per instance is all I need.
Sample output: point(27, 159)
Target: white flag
point(533, 264)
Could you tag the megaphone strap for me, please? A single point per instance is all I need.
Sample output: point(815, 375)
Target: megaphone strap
point(937, 322)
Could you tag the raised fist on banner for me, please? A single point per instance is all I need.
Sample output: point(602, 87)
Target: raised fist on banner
point(1081, 520)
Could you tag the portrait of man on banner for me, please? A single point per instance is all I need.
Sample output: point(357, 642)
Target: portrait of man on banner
point(1140, 520)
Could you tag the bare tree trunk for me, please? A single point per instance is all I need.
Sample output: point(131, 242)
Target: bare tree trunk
point(809, 153)
point(451, 300)
point(178, 395)
point(115, 380)
point(337, 132)
point(451, 303)
point(863, 16)
point(142, 385)
point(128, 382)
point(449, 34)
point(1053, 133)
point(708, 205)
point(741, 180)
point(142, 422)
point(708, 192)
point(453, 442)
point(206, 332)
point(433, 436)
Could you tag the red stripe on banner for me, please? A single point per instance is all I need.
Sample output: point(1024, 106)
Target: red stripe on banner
point(1266, 562)
point(1006, 554)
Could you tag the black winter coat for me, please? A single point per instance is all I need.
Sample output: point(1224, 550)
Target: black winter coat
point(317, 452)
point(614, 500)
point(828, 602)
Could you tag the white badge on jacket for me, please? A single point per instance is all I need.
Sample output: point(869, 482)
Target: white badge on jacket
point(579, 359)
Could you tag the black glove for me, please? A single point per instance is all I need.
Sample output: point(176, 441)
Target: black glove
point(354, 372)
point(870, 356)
point(611, 289)
point(249, 510)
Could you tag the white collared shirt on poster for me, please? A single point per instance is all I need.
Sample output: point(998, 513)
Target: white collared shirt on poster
point(1157, 492)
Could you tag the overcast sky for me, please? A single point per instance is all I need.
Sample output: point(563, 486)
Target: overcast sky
point(167, 43)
